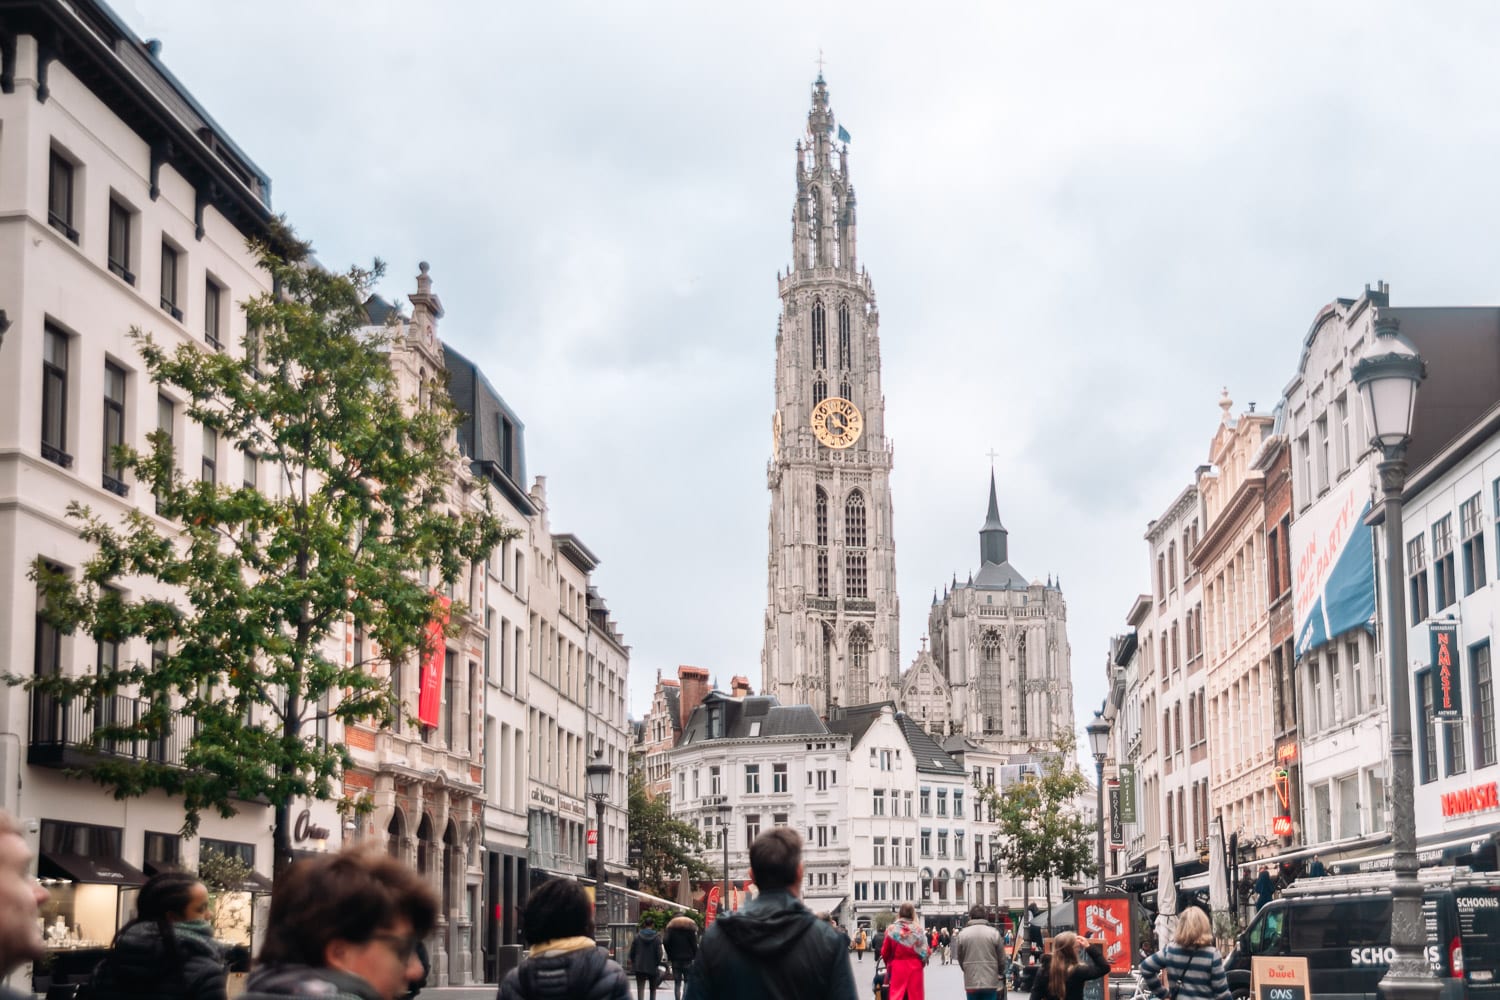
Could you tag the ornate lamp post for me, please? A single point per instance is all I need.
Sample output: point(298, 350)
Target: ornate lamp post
point(1098, 731)
point(598, 774)
point(726, 814)
point(1387, 377)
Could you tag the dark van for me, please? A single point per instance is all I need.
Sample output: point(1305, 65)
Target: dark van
point(1342, 926)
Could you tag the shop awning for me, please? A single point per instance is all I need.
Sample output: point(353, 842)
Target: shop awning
point(1435, 849)
point(645, 897)
point(254, 882)
point(92, 871)
point(824, 904)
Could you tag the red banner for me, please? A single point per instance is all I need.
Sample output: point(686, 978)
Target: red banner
point(434, 650)
point(713, 907)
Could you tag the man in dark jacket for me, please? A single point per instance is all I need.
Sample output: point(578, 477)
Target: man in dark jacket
point(774, 947)
point(1264, 887)
point(681, 943)
point(20, 895)
point(343, 926)
point(645, 959)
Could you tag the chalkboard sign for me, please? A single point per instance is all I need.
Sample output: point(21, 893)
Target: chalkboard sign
point(1279, 978)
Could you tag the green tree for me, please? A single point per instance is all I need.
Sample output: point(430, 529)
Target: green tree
point(1043, 834)
point(240, 592)
point(666, 848)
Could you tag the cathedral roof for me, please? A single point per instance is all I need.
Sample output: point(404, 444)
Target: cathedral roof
point(999, 576)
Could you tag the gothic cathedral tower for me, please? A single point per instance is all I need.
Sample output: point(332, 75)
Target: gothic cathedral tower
point(832, 616)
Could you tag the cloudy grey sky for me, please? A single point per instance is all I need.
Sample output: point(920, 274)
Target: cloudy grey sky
point(1081, 219)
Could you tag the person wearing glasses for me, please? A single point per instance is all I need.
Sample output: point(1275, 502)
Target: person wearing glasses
point(344, 926)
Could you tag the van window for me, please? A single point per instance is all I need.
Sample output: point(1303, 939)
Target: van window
point(1342, 933)
point(1268, 933)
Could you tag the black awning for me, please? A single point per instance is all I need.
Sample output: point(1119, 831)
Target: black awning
point(254, 882)
point(92, 871)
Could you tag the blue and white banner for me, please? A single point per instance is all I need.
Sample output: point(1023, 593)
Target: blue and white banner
point(1333, 563)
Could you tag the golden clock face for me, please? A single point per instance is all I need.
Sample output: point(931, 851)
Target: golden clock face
point(776, 436)
point(837, 423)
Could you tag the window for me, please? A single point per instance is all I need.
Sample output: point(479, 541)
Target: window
point(55, 398)
point(714, 787)
point(942, 843)
point(451, 704)
point(878, 860)
point(752, 827)
point(926, 843)
point(1335, 685)
point(778, 819)
point(854, 546)
point(114, 427)
point(778, 778)
point(820, 510)
point(1484, 705)
point(1322, 454)
point(958, 844)
point(60, 196)
point(752, 780)
point(169, 261)
point(942, 801)
point(213, 313)
point(1442, 562)
point(119, 241)
point(926, 802)
point(844, 339)
point(165, 419)
point(1454, 757)
point(1427, 743)
point(1416, 570)
point(210, 473)
point(819, 338)
point(251, 474)
point(958, 803)
point(877, 807)
point(1471, 527)
point(1356, 676)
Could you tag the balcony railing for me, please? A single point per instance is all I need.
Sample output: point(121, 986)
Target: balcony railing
point(61, 732)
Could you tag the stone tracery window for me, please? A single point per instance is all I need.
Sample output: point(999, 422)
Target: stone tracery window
point(855, 575)
point(820, 509)
point(859, 669)
point(844, 352)
point(819, 336)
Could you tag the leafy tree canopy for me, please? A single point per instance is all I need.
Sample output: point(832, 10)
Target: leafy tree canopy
point(666, 847)
point(241, 592)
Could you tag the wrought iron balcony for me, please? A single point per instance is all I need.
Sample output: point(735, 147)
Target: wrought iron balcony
point(62, 732)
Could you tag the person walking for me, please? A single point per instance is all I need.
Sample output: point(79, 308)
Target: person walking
point(1074, 961)
point(168, 951)
point(1316, 869)
point(1190, 963)
point(980, 953)
point(681, 944)
point(1264, 887)
point(861, 942)
point(646, 957)
point(564, 961)
point(344, 925)
point(773, 948)
point(945, 941)
point(905, 951)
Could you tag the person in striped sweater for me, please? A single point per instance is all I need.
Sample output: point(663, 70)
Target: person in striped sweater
point(1190, 967)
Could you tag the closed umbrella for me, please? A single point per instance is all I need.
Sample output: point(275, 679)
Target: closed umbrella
point(1218, 876)
point(1166, 896)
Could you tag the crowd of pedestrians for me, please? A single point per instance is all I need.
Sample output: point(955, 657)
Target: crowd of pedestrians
point(349, 926)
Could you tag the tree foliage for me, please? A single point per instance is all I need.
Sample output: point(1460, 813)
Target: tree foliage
point(1042, 833)
point(241, 592)
point(665, 847)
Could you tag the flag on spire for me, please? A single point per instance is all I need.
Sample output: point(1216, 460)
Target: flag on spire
point(843, 134)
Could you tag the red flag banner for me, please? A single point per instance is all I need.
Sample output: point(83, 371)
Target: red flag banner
point(434, 649)
point(713, 907)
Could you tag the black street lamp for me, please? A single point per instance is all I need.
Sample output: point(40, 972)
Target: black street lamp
point(1098, 731)
point(598, 774)
point(1387, 377)
point(726, 814)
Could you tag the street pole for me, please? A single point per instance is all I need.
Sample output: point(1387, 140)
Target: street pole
point(724, 839)
point(1408, 977)
point(600, 880)
point(1099, 768)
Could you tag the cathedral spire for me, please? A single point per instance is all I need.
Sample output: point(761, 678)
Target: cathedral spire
point(823, 226)
point(993, 538)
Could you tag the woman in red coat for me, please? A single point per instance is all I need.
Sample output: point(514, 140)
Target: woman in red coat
point(905, 952)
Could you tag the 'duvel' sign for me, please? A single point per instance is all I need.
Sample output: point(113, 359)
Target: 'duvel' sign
point(1279, 978)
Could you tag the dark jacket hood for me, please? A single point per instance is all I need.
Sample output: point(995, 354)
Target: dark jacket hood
point(770, 924)
point(586, 973)
point(140, 953)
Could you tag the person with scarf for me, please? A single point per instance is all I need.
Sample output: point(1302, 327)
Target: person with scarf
point(905, 952)
point(566, 962)
point(168, 951)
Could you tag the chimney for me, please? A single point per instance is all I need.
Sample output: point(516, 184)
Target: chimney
point(739, 687)
point(694, 681)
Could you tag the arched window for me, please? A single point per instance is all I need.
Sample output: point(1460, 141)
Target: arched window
point(819, 336)
point(452, 867)
point(814, 225)
point(859, 667)
point(1021, 685)
point(991, 685)
point(395, 832)
point(844, 389)
point(820, 391)
point(855, 576)
point(424, 845)
point(844, 353)
point(821, 517)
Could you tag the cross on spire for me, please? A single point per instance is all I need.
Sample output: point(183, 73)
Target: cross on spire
point(993, 455)
point(820, 62)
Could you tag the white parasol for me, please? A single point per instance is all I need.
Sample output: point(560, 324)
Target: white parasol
point(1218, 877)
point(1166, 896)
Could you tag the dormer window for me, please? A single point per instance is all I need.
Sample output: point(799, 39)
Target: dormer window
point(715, 722)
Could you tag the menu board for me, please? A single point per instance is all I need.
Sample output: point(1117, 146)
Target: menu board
point(1278, 978)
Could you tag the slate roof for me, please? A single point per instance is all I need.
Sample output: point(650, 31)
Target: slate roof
point(672, 695)
point(740, 714)
point(856, 720)
point(931, 758)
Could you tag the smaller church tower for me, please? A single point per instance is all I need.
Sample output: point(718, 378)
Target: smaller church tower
point(1000, 647)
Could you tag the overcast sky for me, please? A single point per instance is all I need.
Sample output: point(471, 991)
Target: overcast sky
point(1081, 220)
